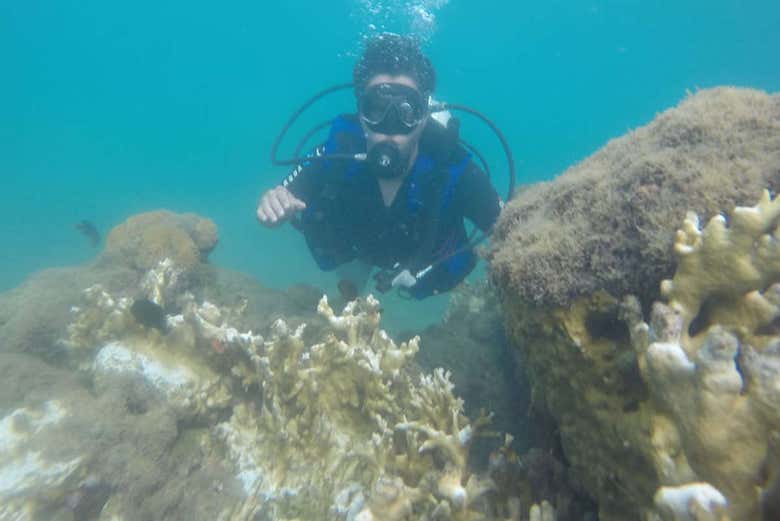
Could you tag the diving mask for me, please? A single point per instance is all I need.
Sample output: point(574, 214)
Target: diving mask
point(392, 108)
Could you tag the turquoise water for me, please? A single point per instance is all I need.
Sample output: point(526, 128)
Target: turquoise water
point(110, 109)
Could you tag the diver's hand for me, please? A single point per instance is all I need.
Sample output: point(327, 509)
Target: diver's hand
point(277, 205)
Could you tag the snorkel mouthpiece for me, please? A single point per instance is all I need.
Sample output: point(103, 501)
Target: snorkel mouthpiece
point(385, 160)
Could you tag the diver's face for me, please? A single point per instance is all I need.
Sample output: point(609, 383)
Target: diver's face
point(405, 142)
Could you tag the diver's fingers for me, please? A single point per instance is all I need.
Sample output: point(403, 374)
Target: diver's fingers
point(297, 203)
point(268, 211)
point(261, 215)
point(289, 201)
point(284, 197)
point(276, 205)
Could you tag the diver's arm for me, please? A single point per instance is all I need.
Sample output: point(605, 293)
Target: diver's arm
point(481, 202)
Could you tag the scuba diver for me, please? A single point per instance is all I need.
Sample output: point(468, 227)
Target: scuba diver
point(391, 185)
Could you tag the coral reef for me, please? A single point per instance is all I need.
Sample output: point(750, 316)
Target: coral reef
point(608, 222)
point(331, 424)
point(637, 424)
point(66, 452)
point(711, 358)
point(583, 372)
point(691, 502)
point(105, 340)
point(536, 478)
point(675, 417)
point(470, 342)
point(131, 251)
point(23, 469)
point(33, 315)
point(344, 419)
point(145, 239)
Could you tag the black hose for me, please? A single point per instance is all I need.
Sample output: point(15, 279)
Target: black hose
point(499, 134)
point(293, 118)
point(473, 241)
point(309, 134)
point(439, 107)
point(471, 148)
point(468, 146)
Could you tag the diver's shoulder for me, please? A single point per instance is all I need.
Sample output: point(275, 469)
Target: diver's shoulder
point(346, 122)
point(440, 142)
point(349, 117)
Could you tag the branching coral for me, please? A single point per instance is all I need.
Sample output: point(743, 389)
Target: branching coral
point(566, 253)
point(105, 340)
point(338, 428)
point(711, 357)
point(691, 397)
point(344, 419)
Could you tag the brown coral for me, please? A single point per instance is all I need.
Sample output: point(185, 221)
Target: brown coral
point(608, 223)
point(145, 239)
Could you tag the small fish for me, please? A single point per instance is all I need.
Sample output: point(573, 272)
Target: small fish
point(90, 231)
point(149, 314)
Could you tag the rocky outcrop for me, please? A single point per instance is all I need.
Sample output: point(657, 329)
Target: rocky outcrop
point(145, 239)
point(608, 223)
point(636, 387)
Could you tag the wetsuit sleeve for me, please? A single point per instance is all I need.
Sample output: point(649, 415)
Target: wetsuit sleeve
point(481, 203)
point(302, 180)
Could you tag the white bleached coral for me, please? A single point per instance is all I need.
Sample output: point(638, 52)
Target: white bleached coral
point(96, 320)
point(711, 358)
point(689, 502)
point(180, 385)
point(28, 480)
point(106, 341)
point(161, 282)
point(542, 512)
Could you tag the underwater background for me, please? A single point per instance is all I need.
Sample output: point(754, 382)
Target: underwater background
point(109, 109)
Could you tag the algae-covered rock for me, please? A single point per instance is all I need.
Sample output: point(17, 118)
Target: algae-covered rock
point(34, 315)
point(608, 223)
point(68, 453)
point(583, 371)
point(637, 424)
point(145, 239)
point(675, 418)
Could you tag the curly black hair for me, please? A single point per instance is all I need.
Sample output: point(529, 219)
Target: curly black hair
point(394, 54)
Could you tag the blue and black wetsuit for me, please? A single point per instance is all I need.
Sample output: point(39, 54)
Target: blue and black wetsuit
point(346, 219)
